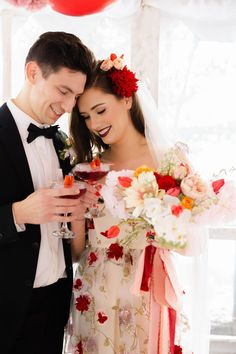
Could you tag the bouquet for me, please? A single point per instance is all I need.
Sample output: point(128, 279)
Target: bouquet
point(170, 200)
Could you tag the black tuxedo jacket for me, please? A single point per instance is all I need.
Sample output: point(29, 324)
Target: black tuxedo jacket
point(18, 250)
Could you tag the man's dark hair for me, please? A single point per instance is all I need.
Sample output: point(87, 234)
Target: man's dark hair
point(55, 50)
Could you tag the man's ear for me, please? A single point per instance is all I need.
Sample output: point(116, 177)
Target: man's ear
point(32, 71)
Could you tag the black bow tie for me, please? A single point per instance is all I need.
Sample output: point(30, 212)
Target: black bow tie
point(35, 131)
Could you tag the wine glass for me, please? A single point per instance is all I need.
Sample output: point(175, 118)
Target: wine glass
point(91, 173)
point(64, 231)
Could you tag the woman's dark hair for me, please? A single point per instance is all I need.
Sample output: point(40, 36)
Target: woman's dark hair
point(55, 50)
point(85, 142)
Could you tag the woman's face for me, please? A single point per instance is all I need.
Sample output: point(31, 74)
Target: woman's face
point(105, 115)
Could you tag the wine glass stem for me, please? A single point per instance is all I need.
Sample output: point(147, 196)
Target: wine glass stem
point(64, 224)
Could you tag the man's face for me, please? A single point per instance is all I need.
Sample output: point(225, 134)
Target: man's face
point(55, 95)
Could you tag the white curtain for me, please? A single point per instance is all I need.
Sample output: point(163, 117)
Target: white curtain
point(196, 77)
point(104, 32)
point(193, 80)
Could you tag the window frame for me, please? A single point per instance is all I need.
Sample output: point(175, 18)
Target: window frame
point(224, 343)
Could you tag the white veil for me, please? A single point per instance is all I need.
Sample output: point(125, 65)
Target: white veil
point(192, 265)
point(156, 139)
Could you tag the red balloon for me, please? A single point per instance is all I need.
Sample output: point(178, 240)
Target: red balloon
point(79, 7)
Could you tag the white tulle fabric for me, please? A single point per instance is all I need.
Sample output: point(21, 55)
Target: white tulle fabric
point(155, 137)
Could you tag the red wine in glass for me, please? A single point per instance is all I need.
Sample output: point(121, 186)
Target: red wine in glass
point(64, 231)
point(91, 173)
point(81, 189)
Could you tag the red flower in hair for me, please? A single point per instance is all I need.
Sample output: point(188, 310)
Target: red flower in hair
point(124, 82)
point(115, 251)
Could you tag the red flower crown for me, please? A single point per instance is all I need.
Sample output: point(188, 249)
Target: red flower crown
point(124, 82)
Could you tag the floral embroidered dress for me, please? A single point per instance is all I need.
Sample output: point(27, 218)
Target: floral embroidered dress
point(110, 314)
point(107, 317)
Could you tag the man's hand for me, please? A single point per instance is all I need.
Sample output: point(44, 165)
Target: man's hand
point(45, 205)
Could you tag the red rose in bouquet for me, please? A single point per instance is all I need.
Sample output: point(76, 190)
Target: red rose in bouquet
point(165, 182)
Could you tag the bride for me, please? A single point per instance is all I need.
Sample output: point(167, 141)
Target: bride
point(116, 117)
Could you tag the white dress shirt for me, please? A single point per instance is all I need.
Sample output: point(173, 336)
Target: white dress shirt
point(44, 165)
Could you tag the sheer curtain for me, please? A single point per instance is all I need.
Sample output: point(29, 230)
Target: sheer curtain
point(196, 76)
point(194, 82)
point(104, 32)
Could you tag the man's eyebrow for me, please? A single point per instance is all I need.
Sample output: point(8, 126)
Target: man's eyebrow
point(66, 88)
point(70, 90)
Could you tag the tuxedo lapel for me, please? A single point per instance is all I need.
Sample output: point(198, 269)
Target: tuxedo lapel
point(13, 147)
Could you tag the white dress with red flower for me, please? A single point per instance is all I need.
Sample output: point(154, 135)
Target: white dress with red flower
point(110, 314)
point(107, 317)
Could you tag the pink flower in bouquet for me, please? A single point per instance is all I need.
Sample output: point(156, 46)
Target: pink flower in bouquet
point(174, 192)
point(181, 171)
point(192, 186)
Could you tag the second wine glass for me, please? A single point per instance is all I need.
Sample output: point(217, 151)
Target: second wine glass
point(91, 173)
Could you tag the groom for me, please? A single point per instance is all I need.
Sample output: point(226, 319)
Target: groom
point(35, 267)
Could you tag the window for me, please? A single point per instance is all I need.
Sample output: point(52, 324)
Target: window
point(197, 105)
